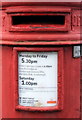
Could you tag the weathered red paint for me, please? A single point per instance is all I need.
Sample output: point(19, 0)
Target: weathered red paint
point(39, 11)
point(71, 101)
point(38, 41)
point(65, 4)
point(39, 27)
point(40, 34)
point(41, 37)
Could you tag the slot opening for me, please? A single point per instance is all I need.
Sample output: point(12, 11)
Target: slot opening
point(38, 20)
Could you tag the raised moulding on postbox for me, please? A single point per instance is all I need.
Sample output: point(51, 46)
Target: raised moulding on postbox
point(39, 19)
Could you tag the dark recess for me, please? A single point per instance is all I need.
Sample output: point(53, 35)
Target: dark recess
point(42, 19)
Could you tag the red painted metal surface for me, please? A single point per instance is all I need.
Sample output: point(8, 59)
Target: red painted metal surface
point(36, 41)
point(71, 101)
point(40, 3)
point(70, 33)
point(44, 26)
point(37, 9)
point(41, 37)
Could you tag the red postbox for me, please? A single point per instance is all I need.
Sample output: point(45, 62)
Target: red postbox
point(40, 60)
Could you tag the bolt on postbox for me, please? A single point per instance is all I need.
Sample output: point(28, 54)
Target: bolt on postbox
point(41, 60)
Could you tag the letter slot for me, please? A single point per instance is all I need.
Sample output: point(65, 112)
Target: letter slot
point(40, 22)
